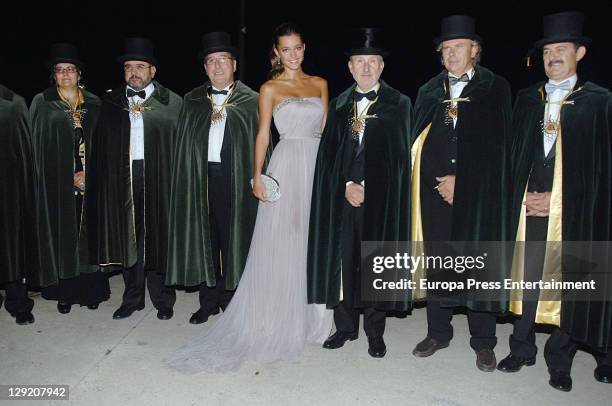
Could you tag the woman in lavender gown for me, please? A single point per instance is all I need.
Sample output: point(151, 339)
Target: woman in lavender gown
point(268, 318)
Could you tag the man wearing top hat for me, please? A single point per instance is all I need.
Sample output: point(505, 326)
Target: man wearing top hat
point(212, 209)
point(128, 184)
point(562, 171)
point(17, 260)
point(361, 192)
point(460, 178)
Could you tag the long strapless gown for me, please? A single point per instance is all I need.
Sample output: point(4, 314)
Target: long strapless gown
point(269, 318)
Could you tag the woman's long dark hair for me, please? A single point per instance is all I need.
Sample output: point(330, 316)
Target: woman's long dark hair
point(281, 31)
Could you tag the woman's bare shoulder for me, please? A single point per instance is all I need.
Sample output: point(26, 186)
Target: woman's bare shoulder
point(318, 80)
point(270, 87)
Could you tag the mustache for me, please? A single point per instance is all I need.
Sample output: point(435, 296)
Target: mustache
point(135, 77)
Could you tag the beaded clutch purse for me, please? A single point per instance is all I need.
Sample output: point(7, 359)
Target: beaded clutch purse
point(272, 187)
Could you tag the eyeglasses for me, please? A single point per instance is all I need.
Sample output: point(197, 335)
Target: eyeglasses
point(137, 68)
point(60, 70)
point(222, 60)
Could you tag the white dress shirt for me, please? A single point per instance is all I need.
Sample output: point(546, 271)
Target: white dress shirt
point(553, 109)
point(137, 124)
point(217, 130)
point(457, 89)
point(363, 106)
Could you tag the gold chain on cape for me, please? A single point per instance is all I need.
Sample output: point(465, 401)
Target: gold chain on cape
point(75, 111)
point(218, 110)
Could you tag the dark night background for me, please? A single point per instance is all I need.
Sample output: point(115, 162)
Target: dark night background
point(508, 29)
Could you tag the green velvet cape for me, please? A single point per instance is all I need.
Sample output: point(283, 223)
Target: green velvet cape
point(109, 198)
point(586, 197)
point(387, 189)
point(481, 204)
point(17, 228)
point(190, 259)
point(62, 240)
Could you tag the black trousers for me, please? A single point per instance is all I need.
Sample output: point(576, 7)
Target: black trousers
point(134, 278)
point(560, 349)
point(346, 314)
point(219, 218)
point(17, 300)
point(86, 289)
point(482, 325)
point(437, 219)
point(604, 359)
point(440, 308)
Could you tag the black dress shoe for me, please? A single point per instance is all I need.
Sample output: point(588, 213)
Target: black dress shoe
point(338, 339)
point(513, 363)
point(603, 373)
point(199, 317)
point(485, 360)
point(63, 308)
point(93, 306)
point(376, 347)
point(165, 313)
point(560, 380)
point(428, 347)
point(125, 311)
point(24, 318)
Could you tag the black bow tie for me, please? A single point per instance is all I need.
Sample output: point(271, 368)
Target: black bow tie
point(215, 91)
point(131, 93)
point(454, 80)
point(371, 95)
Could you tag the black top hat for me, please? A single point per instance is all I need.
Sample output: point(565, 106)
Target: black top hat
point(457, 27)
point(138, 49)
point(367, 41)
point(563, 27)
point(217, 42)
point(64, 52)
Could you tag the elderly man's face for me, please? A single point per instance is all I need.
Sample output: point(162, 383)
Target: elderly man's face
point(457, 55)
point(220, 68)
point(366, 70)
point(138, 74)
point(561, 59)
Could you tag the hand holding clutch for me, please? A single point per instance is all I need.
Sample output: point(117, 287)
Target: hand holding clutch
point(271, 186)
